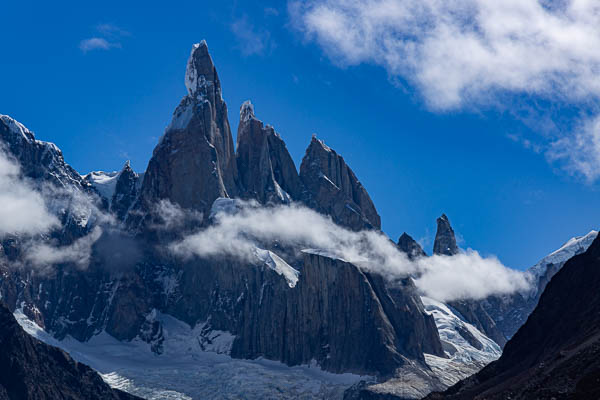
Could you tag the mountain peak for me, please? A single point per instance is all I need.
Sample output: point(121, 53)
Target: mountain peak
point(16, 128)
point(247, 111)
point(200, 71)
point(315, 142)
point(410, 246)
point(333, 188)
point(445, 240)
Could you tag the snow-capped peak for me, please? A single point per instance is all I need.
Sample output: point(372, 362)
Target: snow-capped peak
point(193, 77)
point(246, 111)
point(17, 128)
point(572, 247)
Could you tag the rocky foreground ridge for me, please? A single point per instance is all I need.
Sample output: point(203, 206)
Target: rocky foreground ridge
point(32, 370)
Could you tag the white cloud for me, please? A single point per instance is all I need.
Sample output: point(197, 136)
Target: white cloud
point(96, 43)
point(467, 275)
point(472, 53)
point(237, 234)
point(78, 253)
point(22, 208)
point(171, 216)
point(109, 36)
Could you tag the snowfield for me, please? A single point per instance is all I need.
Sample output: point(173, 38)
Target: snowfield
point(186, 372)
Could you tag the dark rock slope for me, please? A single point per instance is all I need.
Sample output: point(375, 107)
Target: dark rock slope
point(556, 354)
point(32, 370)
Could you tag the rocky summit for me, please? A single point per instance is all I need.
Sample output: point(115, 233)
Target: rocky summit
point(445, 241)
point(266, 169)
point(332, 188)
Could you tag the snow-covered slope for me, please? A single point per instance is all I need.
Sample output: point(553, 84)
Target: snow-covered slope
point(194, 364)
point(468, 350)
point(571, 248)
point(104, 182)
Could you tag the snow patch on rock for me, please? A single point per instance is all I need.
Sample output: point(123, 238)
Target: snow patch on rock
point(278, 265)
point(104, 182)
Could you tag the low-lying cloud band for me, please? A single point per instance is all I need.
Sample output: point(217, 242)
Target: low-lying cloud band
point(246, 225)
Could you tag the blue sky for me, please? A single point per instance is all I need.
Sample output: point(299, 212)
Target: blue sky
point(101, 81)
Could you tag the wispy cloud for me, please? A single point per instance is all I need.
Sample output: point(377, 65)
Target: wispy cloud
point(79, 253)
point(96, 43)
point(112, 31)
point(579, 152)
point(251, 40)
point(461, 55)
point(23, 210)
point(240, 227)
point(108, 36)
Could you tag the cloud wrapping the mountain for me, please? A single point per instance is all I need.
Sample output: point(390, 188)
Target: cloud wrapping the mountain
point(22, 210)
point(238, 231)
point(79, 253)
point(473, 53)
point(31, 211)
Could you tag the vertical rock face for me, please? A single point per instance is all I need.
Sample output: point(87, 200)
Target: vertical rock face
point(445, 241)
point(30, 369)
point(409, 246)
point(556, 354)
point(194, 163)
point(335, 314)
point(266, 170)
point(333, 189)
point(126, 191)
